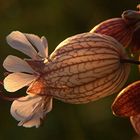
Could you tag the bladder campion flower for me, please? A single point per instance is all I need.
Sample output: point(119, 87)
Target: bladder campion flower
point(125, 29)
point(82, 68)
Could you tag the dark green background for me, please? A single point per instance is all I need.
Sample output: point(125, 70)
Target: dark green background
point(57, 20)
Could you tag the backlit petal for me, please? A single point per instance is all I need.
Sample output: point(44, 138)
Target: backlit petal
point(16, 81)
point(31, 109)
point(15, 64)
point(18, 41)
point(36, 41)
point(45, 42)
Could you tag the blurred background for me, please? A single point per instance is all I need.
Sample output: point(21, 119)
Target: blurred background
point(57, 20)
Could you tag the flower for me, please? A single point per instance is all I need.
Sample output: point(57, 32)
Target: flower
point(125, 29)
point(31, 109)
point(82, 68)
point(127, 104)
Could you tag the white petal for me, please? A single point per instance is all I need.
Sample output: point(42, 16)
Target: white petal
point(31, 109)
point(16, 81)
point(18, 41)
point(45, 42)
point(36, 41)
point(15, 64)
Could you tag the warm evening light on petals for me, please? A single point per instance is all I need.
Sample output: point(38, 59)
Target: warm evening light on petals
point(127, 102)
point(16, 64)
point(45, 43)
point(31, 110)
point(83, 68)
point(18, 41)
point(38, 44)
point(16, 81)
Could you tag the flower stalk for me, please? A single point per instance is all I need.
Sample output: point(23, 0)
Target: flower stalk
point(130, 61)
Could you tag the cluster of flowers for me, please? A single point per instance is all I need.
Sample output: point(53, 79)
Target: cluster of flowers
point(35, 72)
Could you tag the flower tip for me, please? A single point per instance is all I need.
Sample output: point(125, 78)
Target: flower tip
point(7, 86)
point(13, 33)
point(44, 40)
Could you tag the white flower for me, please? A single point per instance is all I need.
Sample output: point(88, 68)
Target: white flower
point(31, 109)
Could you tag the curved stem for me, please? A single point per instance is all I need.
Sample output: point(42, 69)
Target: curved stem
point(130, 61)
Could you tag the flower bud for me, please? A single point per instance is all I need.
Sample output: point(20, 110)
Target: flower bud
point(126, 29)
point(116, 28)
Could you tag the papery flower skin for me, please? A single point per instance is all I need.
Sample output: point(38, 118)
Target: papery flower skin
point(127, 104)
point(125, 29)
point(82, 68)
point(86, 67)
point(127, 100)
